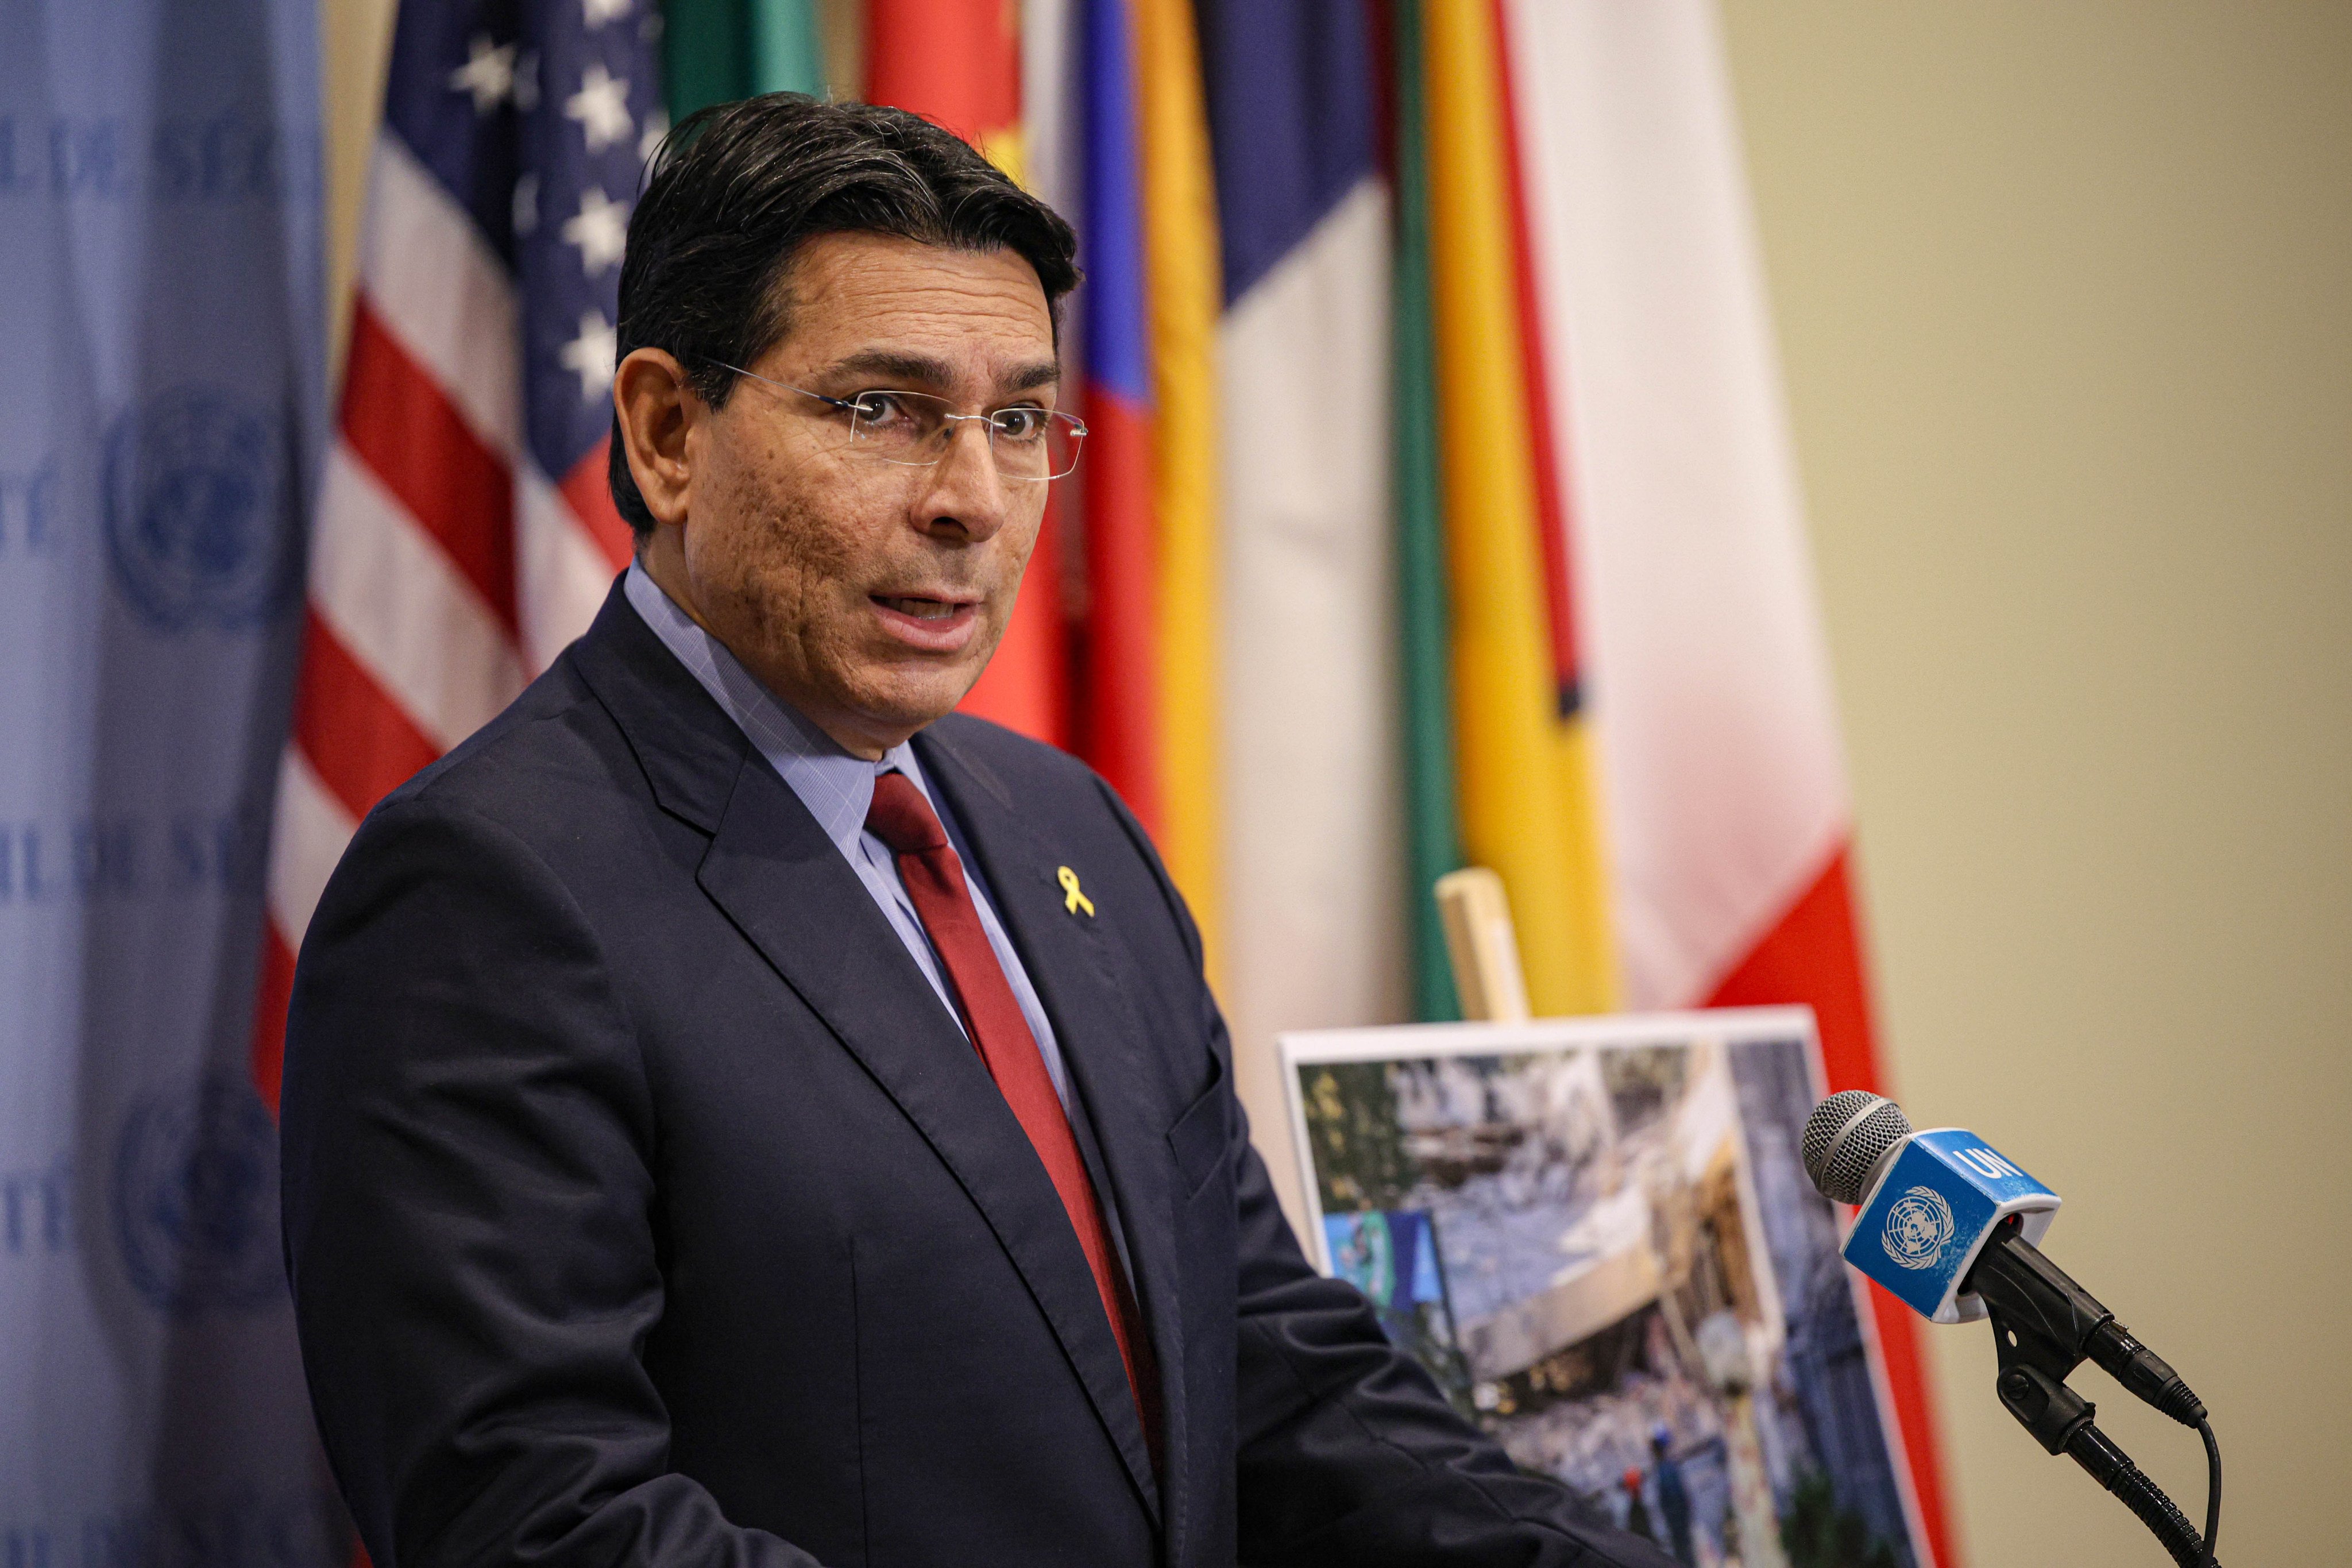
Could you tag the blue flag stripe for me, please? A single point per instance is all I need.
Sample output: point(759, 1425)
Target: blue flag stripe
point(1292, 121)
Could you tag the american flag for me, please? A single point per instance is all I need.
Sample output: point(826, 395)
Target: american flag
point(464, 533)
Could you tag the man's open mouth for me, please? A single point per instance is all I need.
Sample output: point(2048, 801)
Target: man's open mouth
point(918, 609)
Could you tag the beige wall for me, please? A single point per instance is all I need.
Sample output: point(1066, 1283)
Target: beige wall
point(2064, 296)
point(354, 46)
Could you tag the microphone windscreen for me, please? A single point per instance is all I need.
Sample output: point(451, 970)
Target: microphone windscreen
point(1846, 1137)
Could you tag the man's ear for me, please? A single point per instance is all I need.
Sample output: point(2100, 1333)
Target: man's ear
point(657, 408)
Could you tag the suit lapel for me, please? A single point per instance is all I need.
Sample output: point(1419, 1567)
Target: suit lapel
point(1075, 966)
point(787, 888)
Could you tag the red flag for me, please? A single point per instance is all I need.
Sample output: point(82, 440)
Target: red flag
point(958, 63)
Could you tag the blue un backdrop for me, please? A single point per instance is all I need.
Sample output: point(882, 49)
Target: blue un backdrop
point(161, 423)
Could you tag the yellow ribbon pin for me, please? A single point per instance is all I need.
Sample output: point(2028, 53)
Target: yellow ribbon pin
point(1075, 900)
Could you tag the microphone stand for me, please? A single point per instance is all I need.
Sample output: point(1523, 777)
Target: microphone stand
point(2044, 1326)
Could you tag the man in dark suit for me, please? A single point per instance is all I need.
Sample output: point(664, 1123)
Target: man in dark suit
point(737, 1114)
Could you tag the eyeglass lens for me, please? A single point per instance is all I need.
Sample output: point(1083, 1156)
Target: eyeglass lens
point(914, 428)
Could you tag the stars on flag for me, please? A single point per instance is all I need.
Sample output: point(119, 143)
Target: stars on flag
point(649, 143)
point(600, 230)
point(527, 115)
point(601, 107)
point(590, 355)
point(488, 73)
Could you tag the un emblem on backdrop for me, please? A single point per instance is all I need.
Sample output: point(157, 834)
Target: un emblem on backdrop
point(1919, 1229)
point(195, 513)
point(196, 1197)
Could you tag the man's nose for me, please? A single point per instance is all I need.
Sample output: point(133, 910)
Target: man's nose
point(966, 494)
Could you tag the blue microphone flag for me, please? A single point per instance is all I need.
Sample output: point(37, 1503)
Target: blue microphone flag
point(1940, 1201)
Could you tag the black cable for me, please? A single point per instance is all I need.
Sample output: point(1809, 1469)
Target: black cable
point(2112, 1469)
point(2212, 1488)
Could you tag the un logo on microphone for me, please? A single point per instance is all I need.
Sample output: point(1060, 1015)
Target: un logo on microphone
point(1919, 1229)
point(196, 518)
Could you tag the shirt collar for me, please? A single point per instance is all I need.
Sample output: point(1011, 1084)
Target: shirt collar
point(835, 787)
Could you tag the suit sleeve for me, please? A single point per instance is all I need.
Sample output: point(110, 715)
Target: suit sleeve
point(469, 1219)
point(1347, 1452)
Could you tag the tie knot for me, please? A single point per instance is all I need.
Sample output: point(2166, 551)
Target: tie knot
point(902, 819)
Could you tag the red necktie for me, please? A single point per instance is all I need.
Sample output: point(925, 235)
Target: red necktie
point(902, 819)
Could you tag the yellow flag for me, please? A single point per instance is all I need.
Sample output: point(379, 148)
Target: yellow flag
point(1185, 291)
point(1524, 772)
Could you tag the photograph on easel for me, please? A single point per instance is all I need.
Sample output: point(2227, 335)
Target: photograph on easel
point(1597, 1237)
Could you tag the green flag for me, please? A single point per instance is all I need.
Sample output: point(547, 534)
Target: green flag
point(1433, 825)
point(716, 51)
point(786, 54)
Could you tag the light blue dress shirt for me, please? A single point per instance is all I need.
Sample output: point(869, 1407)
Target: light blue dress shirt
point(837, 788)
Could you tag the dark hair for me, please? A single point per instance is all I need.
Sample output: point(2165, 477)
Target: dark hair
point(737, 188)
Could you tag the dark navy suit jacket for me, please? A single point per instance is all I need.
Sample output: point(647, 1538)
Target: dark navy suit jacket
point(643, 1204)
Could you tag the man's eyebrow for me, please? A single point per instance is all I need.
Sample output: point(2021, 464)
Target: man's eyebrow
point(899, 366)
point(923, 370)
point(1033, 375)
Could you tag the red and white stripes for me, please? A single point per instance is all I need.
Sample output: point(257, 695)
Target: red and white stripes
point(445, 569)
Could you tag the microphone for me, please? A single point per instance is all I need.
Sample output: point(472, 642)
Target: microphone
point(1949, 1227)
